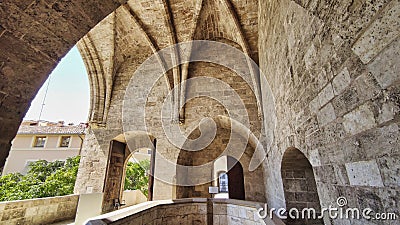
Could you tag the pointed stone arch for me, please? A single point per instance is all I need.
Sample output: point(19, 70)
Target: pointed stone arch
point(121, 149)
point(186, 177)
point(299, 185)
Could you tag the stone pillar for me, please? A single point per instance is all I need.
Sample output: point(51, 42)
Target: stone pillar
point(93, 164)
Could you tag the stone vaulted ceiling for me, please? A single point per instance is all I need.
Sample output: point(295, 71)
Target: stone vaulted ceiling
point(140, 28)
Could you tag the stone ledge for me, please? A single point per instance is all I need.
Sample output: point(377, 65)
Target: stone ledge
point(39, 210)
point(185, 210)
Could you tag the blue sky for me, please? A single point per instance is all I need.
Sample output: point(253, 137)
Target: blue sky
point(68, 94)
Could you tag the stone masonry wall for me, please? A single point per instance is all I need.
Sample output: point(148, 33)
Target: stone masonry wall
point(38, 211)
point(190, 211)
point(332, 69)
point(254, 190)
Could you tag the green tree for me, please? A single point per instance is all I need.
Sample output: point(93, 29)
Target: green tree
point(137, 177)
point(43, 179)
point(62, 181)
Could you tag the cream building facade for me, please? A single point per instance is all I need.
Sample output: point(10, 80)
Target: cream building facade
point(43, 140)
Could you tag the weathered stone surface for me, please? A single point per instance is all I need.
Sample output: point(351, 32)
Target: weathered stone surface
point(360, 69)
point(34, 36)
point(379, 34)
point(39, 211)
point(390, 170)
point(385, 67)
point(364, 173)
point(359, 120)
point(326, 115)
point(341, 81)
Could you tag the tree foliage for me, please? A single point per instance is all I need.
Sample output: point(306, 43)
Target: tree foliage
point(43, 179)
point(137, 176)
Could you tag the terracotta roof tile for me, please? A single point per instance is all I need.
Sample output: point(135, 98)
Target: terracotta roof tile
point(78, 129)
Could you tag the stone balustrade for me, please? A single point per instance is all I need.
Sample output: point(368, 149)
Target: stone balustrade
point(38, 211)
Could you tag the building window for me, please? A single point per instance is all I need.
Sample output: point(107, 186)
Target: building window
point(223, 183)
point(65, 140)
point(40, 141)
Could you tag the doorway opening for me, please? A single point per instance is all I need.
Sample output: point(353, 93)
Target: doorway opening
point(299, 185)
point(230, 178)
point(129, 177)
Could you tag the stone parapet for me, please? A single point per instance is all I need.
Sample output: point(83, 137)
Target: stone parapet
point(188, 211)
point(38, 211)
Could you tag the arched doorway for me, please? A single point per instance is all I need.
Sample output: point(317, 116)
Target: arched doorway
point(299, 186)
point(229, 178)
point(235, 179)
point(248, 183)
point(121, 149)
point(114, 177)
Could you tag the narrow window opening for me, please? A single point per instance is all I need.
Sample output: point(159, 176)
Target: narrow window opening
point(65, 141)
point(40, 141)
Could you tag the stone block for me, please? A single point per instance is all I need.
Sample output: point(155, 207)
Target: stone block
point(17, 205)
point(385, 66)
point(379, 34)
point(220, 209)
point(386, 113)
point(390, 170)
point(367, 87)
point(341, 81)
point(380, 142)
point(326, 115)
point(223, 220)
point(325, 174)
point(341, 175)
point(326, 95)
point(314, 105)
point(346, 101)
point(32, 211)
point(332, 133)
point(359, 120)
point(13, 214)
point(364, 173)
point(369, 198)
point(314, 157)
point(243, 213)
point(351, 150)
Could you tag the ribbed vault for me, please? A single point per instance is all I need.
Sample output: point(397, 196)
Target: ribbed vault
point(139, 25)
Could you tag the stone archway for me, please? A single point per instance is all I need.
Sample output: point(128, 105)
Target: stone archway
point(235, 179)
point(241, 163)
point(299, 185)
point(34, 36)
point(114, 176)
point(228, 176)
point(121, 149)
